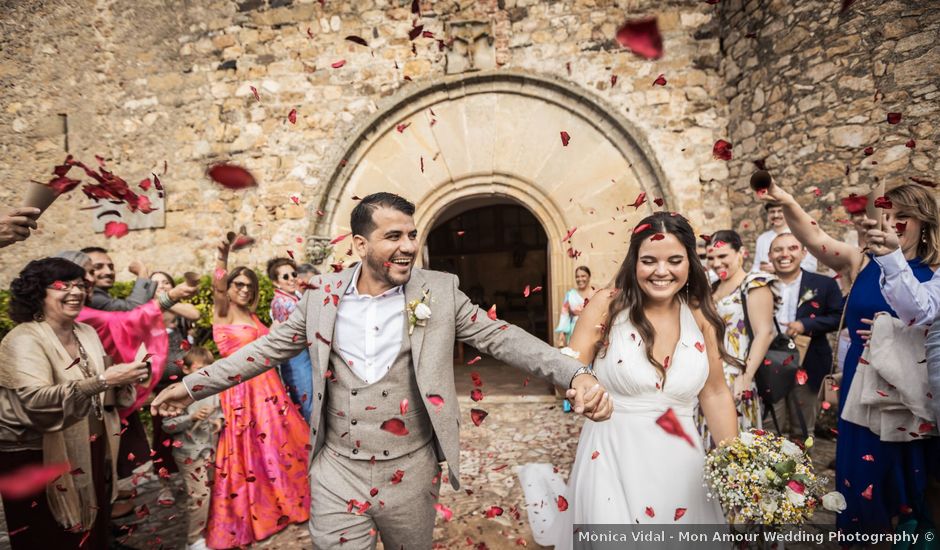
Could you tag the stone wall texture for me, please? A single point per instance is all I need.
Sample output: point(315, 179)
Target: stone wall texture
point(165, 87)
point(809, 88)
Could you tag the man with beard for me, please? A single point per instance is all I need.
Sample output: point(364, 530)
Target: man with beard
point(381, 335)
point(104, 280)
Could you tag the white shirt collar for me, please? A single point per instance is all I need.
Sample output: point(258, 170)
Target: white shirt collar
point(354, 282)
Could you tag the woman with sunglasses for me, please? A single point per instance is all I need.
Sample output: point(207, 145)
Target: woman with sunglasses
point(297, 373)
point(261, 461)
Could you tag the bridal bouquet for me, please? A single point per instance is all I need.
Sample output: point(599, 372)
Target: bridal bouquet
point(760, 478)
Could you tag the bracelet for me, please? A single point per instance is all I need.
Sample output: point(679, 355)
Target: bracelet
point(165, 301)
point(103, 380)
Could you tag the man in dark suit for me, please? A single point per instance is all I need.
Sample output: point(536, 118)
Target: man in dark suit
point(812, 306)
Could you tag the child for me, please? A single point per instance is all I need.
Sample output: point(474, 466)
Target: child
point(196, 434)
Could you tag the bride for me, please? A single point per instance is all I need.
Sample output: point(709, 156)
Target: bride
point(659, 357)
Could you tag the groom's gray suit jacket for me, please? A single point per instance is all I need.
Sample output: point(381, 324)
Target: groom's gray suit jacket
point(453, 317)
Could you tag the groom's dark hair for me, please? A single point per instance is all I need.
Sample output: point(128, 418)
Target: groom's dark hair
point(361, 221)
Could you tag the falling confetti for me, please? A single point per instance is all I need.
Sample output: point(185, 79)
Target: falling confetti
point(642, 38)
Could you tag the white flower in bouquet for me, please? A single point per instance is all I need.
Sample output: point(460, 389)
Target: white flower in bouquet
point(834, 502)
point(422, 312)
point(747, 438)
point(795, 494)
point(768, 506)
point(790, 448)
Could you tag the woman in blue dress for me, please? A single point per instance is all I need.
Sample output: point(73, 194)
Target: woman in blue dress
point(883, 483)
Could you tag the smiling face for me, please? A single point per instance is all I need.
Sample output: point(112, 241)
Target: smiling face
point(286, 279)
point(724, 260)
point(775, 217)
point(64, 300)
point(388, 253)
point(103, 268)
point(786, 253)
point(905, 226)
point(163, 283)
point(89, 280)
point(662, 268)
point(240, 291)
point(581, 279)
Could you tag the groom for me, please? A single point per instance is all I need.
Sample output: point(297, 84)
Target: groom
point(381, 336)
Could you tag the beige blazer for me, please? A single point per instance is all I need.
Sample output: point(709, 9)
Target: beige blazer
point(453, 317)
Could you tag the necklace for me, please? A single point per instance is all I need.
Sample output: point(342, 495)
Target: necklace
point(86, 372)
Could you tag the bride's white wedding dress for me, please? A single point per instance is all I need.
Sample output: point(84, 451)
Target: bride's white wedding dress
point(629, 469)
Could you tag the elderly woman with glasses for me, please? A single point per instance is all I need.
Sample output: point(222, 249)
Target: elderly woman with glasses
point(297, 373)
point(54, 382)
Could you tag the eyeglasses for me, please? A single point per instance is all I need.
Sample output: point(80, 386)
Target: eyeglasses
point(289, 276)
point(702, 256)
point(69, 285)
point(241, 286)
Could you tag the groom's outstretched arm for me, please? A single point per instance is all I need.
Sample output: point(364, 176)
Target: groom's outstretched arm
point(283, 342)
point(510, 344)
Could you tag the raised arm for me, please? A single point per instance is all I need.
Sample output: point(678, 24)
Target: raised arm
point(219, 289)
point(833, 253)
point(715, 398)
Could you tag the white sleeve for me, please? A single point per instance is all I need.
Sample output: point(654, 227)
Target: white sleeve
point(761, 252)
point(914, 302)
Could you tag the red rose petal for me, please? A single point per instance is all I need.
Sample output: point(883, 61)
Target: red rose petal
point(868, 458)
point(397, 476)
point(395, 426)
point(31, 479)
point(357, 40)
point(595, 454)
point(444, 511)
point(562, 503)
point(650, 512)
point(657, 237)
point(492, 312)
point(493, 511)
point(476, 395)
point(115, 229)
point(477, 416)
point(660, 80)
point(231, 176)
point(292, 116)
point(436, 400)
point(640, 199)
point(569, 234)
point(474, 360)
point(642, 38)
point(565, 138)
point(801, 377)
point(894, 118)
point(338, 64)
point(700, 346)
point(254, 92)
point(866, 494)
point(641, 228)
point(722, 150)
point(403, 406)
point(679, 513)
point(670, 424)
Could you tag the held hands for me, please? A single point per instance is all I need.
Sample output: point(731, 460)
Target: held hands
point(203, 412)
point(880, 242)
point(795, 328)
point(742, 383)
point(182, 291)
point(589, 398)
point(127, 373)
point(172, 401)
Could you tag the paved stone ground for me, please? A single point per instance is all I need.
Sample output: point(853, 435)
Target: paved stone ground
point(517, 431)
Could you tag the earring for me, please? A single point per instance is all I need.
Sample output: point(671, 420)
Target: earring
point(38, 317)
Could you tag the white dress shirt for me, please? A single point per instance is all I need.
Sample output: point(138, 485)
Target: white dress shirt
point(762, 252)
point(914, 302)
point(790, 296)
point(369, 329)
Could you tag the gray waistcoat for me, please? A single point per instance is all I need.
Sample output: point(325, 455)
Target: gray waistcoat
point(356, 411)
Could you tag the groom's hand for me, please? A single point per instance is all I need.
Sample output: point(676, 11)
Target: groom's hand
point(590, 398)
point(172, 401)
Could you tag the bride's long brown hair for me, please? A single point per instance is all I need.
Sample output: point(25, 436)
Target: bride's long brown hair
point(628, 295)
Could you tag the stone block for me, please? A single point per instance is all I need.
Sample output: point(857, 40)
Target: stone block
point(853, 136)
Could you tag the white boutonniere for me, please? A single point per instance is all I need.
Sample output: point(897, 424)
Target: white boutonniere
point(419, 311)
point(807, 296)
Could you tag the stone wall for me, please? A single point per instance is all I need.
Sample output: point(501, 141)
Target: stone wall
point(810, 87)
point(144, 82)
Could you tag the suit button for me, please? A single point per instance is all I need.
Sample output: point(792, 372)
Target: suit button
point(384, 393)
point(319, 396)
point(354, 422)
point(355, 392)
point(355, 451)
point(385, 453)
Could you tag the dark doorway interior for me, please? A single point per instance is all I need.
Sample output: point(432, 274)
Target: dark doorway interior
point(497, 251)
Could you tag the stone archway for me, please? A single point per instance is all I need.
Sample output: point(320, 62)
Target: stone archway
point(501, 134)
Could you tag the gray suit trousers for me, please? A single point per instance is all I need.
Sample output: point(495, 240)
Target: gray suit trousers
point(401, 512)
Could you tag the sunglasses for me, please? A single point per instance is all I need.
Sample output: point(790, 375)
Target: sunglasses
point(69, 285)
point(288, 276)
point(241, 286)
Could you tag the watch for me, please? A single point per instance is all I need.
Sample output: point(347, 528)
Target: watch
point(103, 380)
point(583, 370)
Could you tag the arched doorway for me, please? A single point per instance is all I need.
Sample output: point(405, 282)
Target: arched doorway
point(497, 248)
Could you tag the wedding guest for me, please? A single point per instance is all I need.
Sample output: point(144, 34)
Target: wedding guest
point(297, 373)
point(122, 333)
point(16, 225)
point(778, 225)
point(196, 433)
point(748, 330)
point(177, 321)
point(104, 280)
point(258, 409)
point(573, 303)
point(811, 306)
point(53, 366)
point(891, 487)
point(701, 250)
